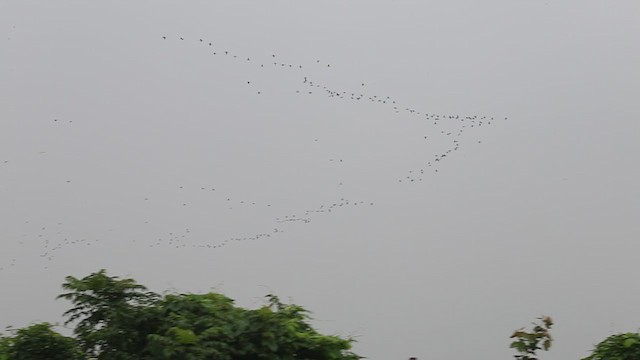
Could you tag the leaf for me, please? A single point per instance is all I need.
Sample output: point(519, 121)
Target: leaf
point(629, 342)
point(183, 336)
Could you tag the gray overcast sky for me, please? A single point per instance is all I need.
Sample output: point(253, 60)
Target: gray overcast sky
point(193, 167)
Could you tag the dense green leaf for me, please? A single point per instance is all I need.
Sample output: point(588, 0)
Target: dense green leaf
point(617, 347)
point(39, 342)
point(117, 319)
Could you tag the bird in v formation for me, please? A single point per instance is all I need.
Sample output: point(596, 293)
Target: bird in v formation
point(454, 129)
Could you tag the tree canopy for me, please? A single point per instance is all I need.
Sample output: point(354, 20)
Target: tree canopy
point(617, 347)
point(37, 342)
point(118, 319)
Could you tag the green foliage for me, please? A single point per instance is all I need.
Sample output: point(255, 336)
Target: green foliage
point(194, 327)
point(39, 342)
point(209, 326)
point(6, 342)
point(116, 319)
point(110, 314)
point(617, 347)
point(528, 343)
point(282, 331)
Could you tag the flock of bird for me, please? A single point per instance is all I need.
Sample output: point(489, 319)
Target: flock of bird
point(447, 130)
point(453, 125)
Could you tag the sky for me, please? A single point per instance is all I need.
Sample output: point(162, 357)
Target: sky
point(424, 176)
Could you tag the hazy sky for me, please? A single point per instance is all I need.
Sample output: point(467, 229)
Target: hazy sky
point(194, 167)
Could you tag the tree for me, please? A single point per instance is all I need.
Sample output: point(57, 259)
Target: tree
point(39, 342)
point(208, 326)
point(617, 347)
point(118, 319)
point(528, 343)
point(111, 315)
